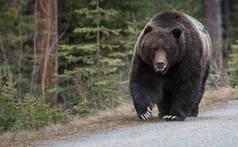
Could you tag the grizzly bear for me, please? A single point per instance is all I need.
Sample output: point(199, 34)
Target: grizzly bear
point(170, 66)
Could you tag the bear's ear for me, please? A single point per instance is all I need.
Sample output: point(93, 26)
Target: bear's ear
point(177, 32)
point(148, 29)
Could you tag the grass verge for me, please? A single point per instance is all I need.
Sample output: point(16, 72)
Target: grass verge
point(106, 120)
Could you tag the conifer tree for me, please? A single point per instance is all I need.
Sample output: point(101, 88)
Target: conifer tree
point(93, 64)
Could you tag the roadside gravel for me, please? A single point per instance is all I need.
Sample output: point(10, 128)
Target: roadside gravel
point(218, 128)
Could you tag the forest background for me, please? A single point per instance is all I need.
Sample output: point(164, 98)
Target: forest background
point(62, 59)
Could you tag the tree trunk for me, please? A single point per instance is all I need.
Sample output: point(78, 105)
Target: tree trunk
point(214, 25)
point(45, 42)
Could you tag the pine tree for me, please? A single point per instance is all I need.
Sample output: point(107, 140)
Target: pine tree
point(93, 66)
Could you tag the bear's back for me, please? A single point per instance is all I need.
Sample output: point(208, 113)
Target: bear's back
point(203, 36)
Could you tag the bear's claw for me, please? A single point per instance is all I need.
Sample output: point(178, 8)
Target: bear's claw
point(146, 114)
point(169, 117)
point(173, 118)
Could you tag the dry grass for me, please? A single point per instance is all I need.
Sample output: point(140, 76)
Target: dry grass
point(217, 98)
point(106, 120)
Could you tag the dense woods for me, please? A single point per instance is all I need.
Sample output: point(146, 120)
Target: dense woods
point(65, 58)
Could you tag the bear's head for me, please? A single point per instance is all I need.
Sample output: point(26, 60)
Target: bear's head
point(161, 47)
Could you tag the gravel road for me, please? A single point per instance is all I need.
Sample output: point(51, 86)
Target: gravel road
point(218, 128)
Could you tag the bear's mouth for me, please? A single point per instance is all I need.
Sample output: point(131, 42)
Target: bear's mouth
point(161, 71)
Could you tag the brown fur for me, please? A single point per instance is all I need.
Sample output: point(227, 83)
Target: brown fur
point(184, 46)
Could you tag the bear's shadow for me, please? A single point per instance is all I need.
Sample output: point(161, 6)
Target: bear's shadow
point(188, 119)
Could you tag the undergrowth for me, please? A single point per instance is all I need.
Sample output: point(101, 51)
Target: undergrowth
point(25, 112)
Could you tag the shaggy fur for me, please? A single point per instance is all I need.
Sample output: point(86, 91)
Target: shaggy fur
point(178, 89)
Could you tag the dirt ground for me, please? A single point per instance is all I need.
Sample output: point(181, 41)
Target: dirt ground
point(107, 120)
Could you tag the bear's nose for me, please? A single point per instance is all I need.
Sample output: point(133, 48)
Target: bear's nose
point(160, 64)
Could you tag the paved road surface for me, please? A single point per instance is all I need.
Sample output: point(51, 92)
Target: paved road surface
point(217, 128)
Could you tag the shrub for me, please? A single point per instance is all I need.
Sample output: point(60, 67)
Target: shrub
point(33, 113)
point(233, 70)
point(8, 105)
point(27, 112)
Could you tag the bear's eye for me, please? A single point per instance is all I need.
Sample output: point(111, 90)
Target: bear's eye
point(154, 49)
point(166, 49)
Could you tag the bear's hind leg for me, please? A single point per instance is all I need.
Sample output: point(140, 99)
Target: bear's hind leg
point(194, 112)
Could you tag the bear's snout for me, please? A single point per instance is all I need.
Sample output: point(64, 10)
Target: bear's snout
point(160, 64)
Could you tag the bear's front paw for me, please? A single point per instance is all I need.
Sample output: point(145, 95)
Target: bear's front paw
point(161, 115)
point(146, 114)
point(173, 118)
